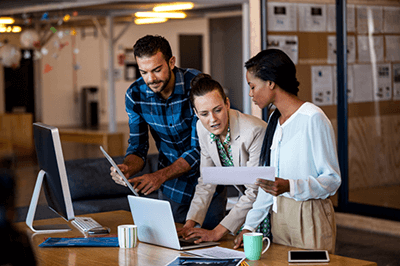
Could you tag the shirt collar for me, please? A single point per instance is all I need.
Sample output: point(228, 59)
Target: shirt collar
point(227, 139)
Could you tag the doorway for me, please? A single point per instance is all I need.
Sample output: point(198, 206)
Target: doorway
point(19, 86)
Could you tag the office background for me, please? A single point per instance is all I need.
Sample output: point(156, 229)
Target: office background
point(74, 62)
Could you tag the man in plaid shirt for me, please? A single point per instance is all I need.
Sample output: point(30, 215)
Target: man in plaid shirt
point(160, 100)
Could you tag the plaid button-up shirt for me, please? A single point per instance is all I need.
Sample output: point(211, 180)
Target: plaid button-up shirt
point(172, 124)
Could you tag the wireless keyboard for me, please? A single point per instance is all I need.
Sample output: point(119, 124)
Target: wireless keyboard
point(84, 224)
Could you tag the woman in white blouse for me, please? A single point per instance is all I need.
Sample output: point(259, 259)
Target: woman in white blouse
point(300, 144)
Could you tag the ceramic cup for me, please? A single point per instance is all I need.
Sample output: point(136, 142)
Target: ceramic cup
point(253, 243)
point(127, 236)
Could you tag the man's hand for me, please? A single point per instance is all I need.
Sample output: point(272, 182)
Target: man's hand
point(116, 177)
point(274, 188)
point(239, 239)
point(148, 183)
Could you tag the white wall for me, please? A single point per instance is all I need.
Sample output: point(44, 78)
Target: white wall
point(61, 99)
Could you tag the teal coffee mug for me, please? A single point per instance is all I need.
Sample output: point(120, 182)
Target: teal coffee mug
point(253, 243)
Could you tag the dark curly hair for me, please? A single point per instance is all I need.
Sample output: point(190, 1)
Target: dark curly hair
point(203, 84)
point(149, 45)
point(276, 66)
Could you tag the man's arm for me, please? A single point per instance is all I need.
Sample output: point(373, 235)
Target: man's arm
point(148, 183)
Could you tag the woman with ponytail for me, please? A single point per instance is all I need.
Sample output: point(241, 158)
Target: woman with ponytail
point(227, 138)
point(300, 144)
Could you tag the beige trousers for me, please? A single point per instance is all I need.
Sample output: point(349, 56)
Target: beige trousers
point(304, 224)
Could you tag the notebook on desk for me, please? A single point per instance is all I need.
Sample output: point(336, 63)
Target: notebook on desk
point(155, 224)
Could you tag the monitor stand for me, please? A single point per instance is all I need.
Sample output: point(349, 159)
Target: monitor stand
point(53, 228)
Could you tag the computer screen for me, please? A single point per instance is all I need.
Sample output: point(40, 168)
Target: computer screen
point(52, 177)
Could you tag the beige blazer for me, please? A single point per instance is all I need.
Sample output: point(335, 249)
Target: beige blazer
point(247, 135)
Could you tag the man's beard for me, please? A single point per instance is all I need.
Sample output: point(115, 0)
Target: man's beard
point(164, 82)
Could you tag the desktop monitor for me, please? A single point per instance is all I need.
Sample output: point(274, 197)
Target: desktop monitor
point(52, 177)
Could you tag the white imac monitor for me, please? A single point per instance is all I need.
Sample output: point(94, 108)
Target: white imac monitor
point(52, 177)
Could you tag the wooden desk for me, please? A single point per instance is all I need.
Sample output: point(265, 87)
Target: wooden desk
point(143, 254)
point(113, 143)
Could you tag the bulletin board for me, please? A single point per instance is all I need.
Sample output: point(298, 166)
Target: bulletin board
point(305, 30)
point(309, 26)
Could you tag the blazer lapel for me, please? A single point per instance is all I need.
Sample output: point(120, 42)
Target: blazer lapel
point(213, 151)
point(235, 137)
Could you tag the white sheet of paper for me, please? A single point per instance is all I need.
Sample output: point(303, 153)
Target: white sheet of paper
point(364, 43)
point(282, 16)
point(392, 48)
point(396, 81)
point(217, 252)
point(236, 175)
point(287, 43)
point(369, 19)
point(312, 17)
point(351, 49)
point(322, 85)
point(363, 88)
point(391, 23)
point(331, 18)
point(383, 90)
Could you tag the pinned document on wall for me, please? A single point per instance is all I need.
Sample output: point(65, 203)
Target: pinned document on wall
point(350, 84)
point(396, 82)
point(312, 17)
point(370, 48)
point(322, 85)
point(288, 44)
point(391, 22)
point(369, 19)
point(351, 49)
point(363, 88)
point(282, 16)
point(331, 18)
point(392, 43)
point(383, 88)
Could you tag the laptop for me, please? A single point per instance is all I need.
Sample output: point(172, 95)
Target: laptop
point(155, 224)
point(118, 170)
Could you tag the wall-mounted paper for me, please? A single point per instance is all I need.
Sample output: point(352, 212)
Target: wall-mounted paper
point(282, 16)
point(392, 48)
point(396, 82)
point(351, 49)
point(391, 22)
point(331, 18)
point(350, 84)
point(383, 88)
point(363, 83)
point(312, 17)
point(369, 19)
point(288, 44)
point(365, 53)
point(322, 85)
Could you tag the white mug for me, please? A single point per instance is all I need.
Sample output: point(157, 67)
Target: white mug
point(127, 236)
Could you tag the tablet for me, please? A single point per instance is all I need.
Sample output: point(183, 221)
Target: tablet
point(308, 256)
point(118, 170)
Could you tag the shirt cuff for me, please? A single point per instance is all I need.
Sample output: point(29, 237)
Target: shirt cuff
point(291, 184)
point(246, 227)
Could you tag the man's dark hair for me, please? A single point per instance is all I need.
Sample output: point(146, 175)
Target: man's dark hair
point(149, 45)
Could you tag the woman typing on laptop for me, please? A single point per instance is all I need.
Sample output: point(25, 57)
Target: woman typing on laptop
point(227, 138)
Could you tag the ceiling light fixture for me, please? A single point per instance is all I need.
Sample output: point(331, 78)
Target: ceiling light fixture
point(160, 15)
point(174, 6)
point(6, 20)
point(141, 21)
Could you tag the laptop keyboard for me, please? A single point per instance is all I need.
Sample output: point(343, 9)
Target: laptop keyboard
point(185, 243)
